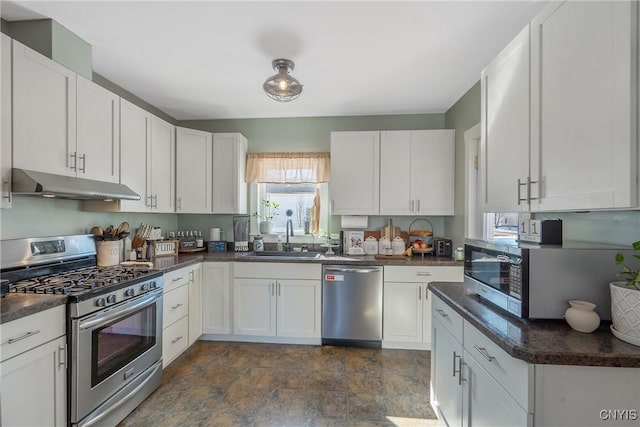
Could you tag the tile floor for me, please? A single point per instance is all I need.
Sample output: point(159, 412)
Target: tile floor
point(242, 384)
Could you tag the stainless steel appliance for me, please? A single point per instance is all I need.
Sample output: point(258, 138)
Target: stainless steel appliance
point(114, 325)
point(352, 305)
point(442, 247)
point(537, 281)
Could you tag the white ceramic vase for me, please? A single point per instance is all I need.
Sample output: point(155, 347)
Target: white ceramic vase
point(582, 317)
point(625, 311)
point(265, 227)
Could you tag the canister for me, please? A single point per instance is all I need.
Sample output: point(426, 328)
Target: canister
point(383, 244)
point(398, 246)
point(370, 246)
point(258, 244)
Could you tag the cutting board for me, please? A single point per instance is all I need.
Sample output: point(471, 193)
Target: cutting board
point(390, 231)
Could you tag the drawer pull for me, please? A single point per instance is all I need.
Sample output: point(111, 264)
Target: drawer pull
point(423, 273)
point(176, 340)
point(177, 279)
point(21, 337)
point(173, 307)
point(442, 313)
point(483, 351)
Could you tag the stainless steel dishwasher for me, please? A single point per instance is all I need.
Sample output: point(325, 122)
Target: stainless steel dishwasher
point(352, 305)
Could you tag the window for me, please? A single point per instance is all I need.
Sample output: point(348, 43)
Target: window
point(290, 181)
point(501, 226)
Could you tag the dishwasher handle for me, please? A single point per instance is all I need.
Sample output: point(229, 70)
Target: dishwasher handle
point(351, 270)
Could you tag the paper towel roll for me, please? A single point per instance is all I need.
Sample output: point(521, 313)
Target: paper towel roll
point(214, 235)
point(354, 221)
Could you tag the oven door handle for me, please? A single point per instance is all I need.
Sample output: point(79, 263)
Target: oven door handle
point(122, 401)
point(121, 312)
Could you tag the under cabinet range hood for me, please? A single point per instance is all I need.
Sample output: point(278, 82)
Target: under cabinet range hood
point(31, 183)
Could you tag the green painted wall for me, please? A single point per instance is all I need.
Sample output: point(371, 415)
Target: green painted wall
point(38, 217)
point(310, 133)
point(464, 114)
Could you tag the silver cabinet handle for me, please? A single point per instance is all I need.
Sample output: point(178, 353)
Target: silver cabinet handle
point(193, 276)
point(520, 199)
point(418, 208)
point(423, 274)
point(442, 313)
point(420, 293)
point(279, 290)
point(154, 200)
point(461, 379)
point(75, 161)
point(84, 163)
point(150, 204)
point(179, 202)
point(455, 357)
point(273, 292)
point(21, 337)
point(529, 182)
point(483, 351)
point(173, 307)
point(177, 279)
point(176, 340)
point(413, 206)
point(7, 184)
point(62, 360)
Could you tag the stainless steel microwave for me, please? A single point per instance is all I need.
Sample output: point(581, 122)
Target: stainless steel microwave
point(537, 281)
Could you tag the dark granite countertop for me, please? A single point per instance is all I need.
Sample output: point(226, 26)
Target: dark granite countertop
point(16, 306)
point(539, 342)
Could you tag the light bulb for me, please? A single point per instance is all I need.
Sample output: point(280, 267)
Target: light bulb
point(283, 85)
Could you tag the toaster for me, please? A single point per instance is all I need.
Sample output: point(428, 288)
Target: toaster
point(442, 247)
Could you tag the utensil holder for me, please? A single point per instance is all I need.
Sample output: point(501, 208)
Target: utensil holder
point(108, 252)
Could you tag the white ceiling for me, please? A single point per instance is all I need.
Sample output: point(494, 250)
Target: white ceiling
point(208, 59)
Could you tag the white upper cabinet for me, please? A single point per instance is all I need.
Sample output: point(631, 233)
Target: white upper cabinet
point(161, 183)
point(5, 141)
point(395, 173)
point(229, 165)
point(355, 173)
point(44, 114)
point(583, 116)
point(135, 134)
point(504, 149)
point(98, 132)
point(432, 155)
point(193, 171)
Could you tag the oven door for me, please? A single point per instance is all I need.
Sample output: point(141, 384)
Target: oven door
point(111, 348)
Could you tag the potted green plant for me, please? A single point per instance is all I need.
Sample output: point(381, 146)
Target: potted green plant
point(269, 212)
point(625, 301)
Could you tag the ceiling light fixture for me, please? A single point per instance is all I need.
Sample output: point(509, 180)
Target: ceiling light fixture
point(282, 86)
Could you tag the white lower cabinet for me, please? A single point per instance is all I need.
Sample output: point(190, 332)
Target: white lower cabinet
point(216, 298)
point(446, 390)
point(180, 307)
point(34, 372)
point(277, 300)
point(407, 304)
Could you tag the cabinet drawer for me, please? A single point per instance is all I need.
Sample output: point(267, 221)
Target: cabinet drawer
point(175, 279)
point(264, 270)
point(28, 332)
point(423, 274)
point(175, 305)
point(447, 317)
point(174, 340)
point(509, 372)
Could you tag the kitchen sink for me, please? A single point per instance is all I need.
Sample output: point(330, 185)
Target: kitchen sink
point(283, 255)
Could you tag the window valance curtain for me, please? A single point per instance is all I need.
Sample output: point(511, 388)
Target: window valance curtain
point(288, 168)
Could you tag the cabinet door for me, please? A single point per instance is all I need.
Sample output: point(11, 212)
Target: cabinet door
point(487, 403)
point(195, 303)
point(504, 144)
point(193, 171)
point(299, 308)
point(216, 288)
point(446, 355)
point(38, 376)
point(229, 163)
point(98, 132)
point(5, 127)
point(432, 157)
point(355, 173)
point(44, 113)
point(163, 156)
point(135, 130)
point(402, 312)
point(583, 86)
point(395, 176)
point(254, 303)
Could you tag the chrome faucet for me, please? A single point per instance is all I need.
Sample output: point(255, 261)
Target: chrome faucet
point(287, 245)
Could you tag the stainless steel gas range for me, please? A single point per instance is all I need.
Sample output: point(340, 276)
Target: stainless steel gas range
point(114, 322)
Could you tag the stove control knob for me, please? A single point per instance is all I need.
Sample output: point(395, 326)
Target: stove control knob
point(145, 287)
point(111, 299)
point(101, 302)
point(153, 285)
point(130, 292)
